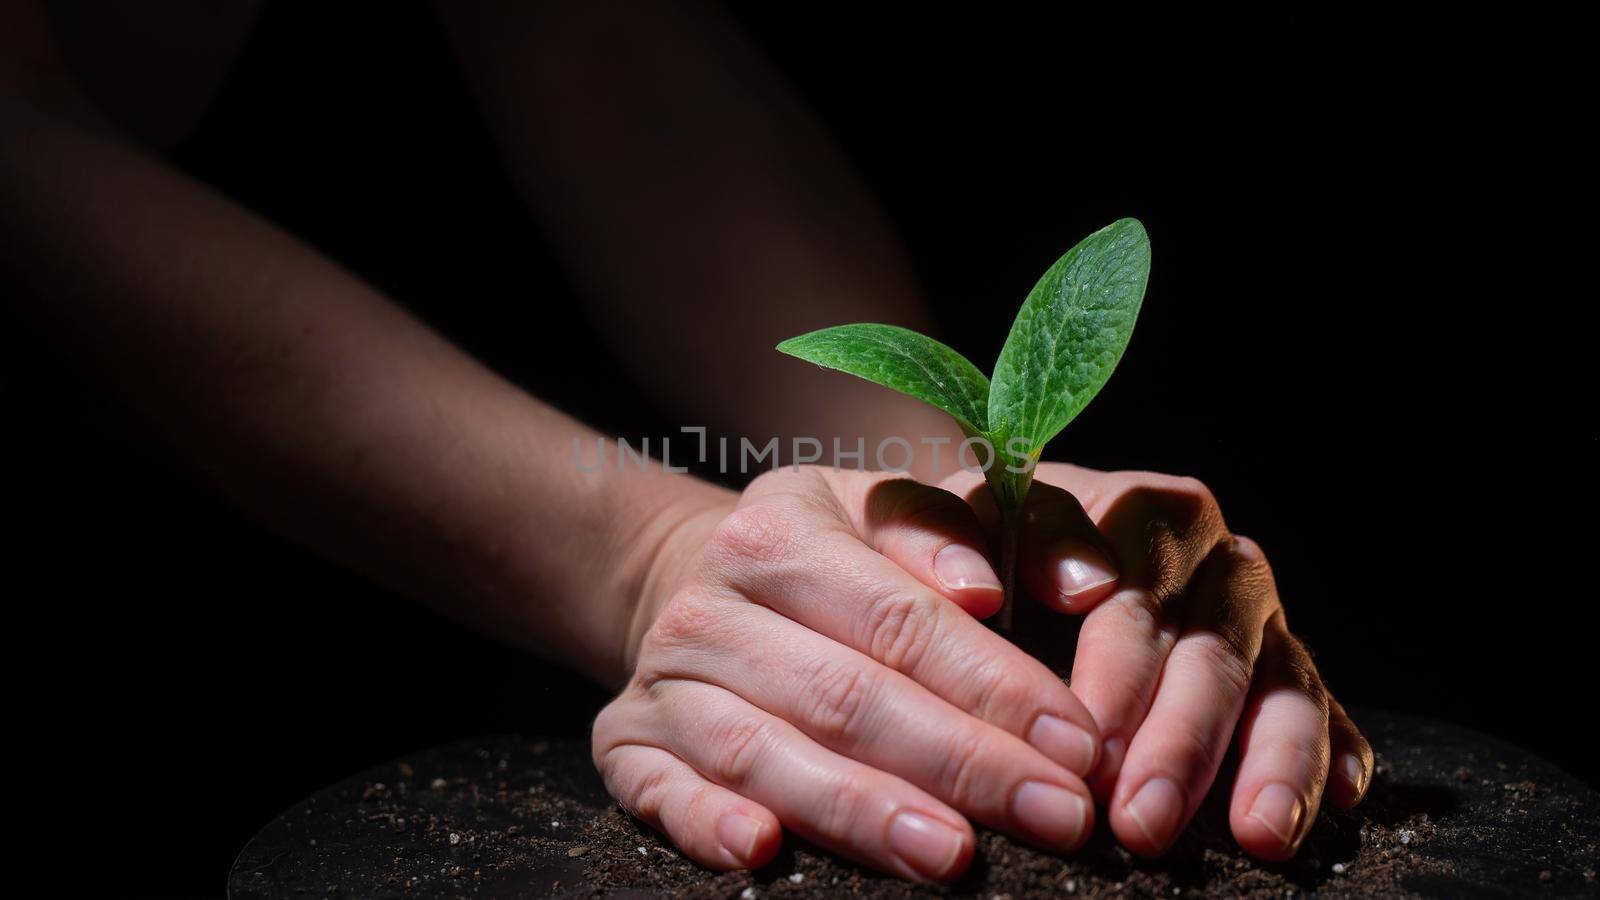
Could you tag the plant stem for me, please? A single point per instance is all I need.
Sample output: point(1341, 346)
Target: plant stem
point(1009, 520)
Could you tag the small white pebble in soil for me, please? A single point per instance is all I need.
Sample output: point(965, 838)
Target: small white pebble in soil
point(554, 824)
point(1072, 886)
point(439, 784)
point(796, 878)
point(1338, 868)
point(454, 838)
point(643, 852)
point(1406, 835)
point(747, 894)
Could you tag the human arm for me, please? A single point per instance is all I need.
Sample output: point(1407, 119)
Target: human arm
point(316, 405)
point(703, 212)
point(313, 402)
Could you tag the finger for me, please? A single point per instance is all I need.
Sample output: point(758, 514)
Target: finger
point(1283, 750)
point(930, 533)
point(1351, 773)
point(1204, 681)
point(867, 712)
point(1161, 532)
point(835, 802)
point(833, 584)
point(711, 824)
point(1063, 560)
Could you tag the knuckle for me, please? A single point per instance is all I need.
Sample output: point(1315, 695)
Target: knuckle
point(761, 532)
point(1227, 656)
point(1181, 492)
point(1181, 502)
point(1296, 669)
point(904, 500)
point(683, 620)
point(1304, 750)
point(838, 696)
point(899, 629)
point(647, 793)
point(1053, 505)
point(1196, 749)
point(792, 482)
point(1339, 724)
point(1177, 528)
point(1248, 571)
point(836, 807)
point(1195, 489)
point(604, 736)
point(961, 770)
point(695, 807)
point(1288, 660)
point(1315, 752)
point(1247, 552)
point(1140, 613)
point(1005, 692)
point(737, 742)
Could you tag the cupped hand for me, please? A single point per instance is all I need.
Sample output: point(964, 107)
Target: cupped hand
point(812, 659)
point(1183, 642)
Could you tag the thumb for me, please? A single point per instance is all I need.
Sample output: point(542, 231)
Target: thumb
point(931, 534)
point(1063, 560)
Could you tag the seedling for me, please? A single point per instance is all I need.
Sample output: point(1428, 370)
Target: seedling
point(1065, 343)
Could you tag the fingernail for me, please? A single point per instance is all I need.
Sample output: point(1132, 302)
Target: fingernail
point(927, 845)
point(959, 567)
point(1063, 742)
point(1278, 808)
point(738, 834)
point(1053, 813)
point(1351, 769)
point(1082, 567)
point(1157, 809)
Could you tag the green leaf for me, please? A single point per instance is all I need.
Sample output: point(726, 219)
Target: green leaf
point(904, 360)
point(1069, 336)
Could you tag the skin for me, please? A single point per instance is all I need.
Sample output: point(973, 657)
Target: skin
point(806, 654)
point(736, 720)
point(1183, 644)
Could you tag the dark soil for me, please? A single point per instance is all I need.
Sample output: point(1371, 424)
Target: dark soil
point(1451, 814)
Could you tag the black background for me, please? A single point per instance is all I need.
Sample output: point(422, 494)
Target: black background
point(1357, 333)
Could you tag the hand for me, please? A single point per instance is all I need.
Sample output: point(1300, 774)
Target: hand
point(814, 658)
point(1183, 640)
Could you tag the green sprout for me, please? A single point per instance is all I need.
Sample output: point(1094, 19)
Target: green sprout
point(1065, 343)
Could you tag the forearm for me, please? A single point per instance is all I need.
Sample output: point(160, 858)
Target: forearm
point(317, 405)
point(704, 211)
